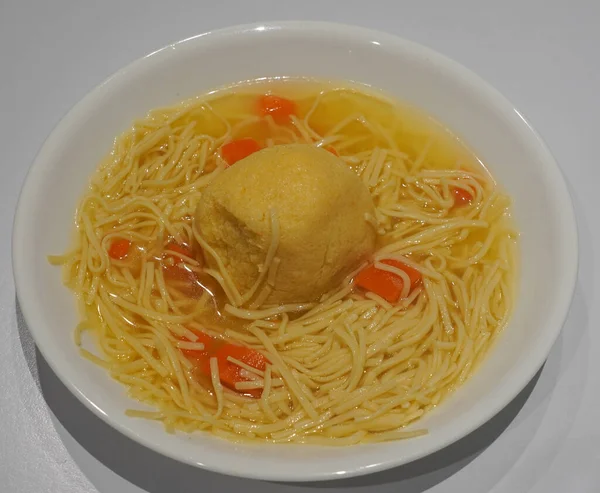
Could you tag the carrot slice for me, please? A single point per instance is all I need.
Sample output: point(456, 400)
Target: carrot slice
point(461, 196)
point(201, 357)
point(332, 150)
point(177, 273)
point(229, 373)
point(210, 347)
point(238, 149)
point(386, 284)
point(279, 108)
point(119, 248)
point(184, 250)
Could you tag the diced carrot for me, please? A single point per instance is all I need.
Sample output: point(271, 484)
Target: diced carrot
point(184, 250)
point(210, 347)
point(177, 274)
point(279, 108)
point(201, 357)
point(229, 373)
point(119, 248)
point(386, 284)
point(461, 196)
point(209, 342)
point(413, 274)
point(238, 149)
point(332, 150)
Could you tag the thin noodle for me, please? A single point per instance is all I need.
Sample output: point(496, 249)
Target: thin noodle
point(350, 367)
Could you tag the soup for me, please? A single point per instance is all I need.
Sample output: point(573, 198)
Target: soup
point(291, 261)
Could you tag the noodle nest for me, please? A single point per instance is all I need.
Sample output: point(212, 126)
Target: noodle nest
point(349, 369)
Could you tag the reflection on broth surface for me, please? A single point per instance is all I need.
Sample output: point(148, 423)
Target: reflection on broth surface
point(291, 260)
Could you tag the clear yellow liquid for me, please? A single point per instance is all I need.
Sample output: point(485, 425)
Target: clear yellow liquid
point(411, 128)
point(412, 131)
point(405, 129)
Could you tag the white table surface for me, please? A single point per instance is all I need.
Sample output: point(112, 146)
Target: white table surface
point(544, 55)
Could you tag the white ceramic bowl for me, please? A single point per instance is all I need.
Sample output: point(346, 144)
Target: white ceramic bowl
point(492, 127)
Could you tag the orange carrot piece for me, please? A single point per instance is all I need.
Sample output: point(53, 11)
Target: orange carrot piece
point(119, 248)
point(279, 108)
point(461, 196)
point(238, 149)
point(201, 357)
point(386, 284)
point(181, 249)
point(332, 150)
point(177, 273)
point(210, 347)
point(229, 373)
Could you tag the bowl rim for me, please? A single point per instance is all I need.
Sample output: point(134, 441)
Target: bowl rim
point(498, 400)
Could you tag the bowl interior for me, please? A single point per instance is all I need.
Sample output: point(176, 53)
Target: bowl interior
point(487, 122)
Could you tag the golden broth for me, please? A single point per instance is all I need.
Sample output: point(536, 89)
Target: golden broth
point(141, 306)
point(412, 131)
